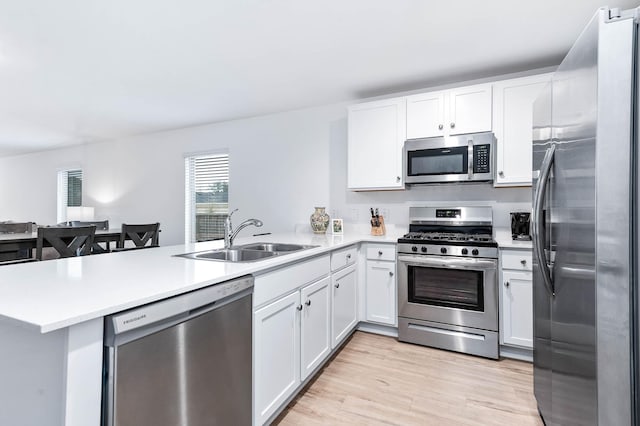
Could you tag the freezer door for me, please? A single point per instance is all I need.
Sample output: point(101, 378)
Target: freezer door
point(541, 296)
point(573, 230)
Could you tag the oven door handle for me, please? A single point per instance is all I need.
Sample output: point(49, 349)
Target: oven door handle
point(449, 263)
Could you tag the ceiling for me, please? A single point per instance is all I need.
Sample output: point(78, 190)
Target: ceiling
point(80, 71)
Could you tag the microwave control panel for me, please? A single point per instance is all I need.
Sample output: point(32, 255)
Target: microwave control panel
point(481, 155)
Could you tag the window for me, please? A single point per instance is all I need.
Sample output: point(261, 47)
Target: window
point(207, 196)
point(69, 191)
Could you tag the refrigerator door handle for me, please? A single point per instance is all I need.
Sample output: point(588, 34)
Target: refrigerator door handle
point(538, 204)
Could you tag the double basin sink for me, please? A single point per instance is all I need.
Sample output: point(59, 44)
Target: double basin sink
point(246, 253)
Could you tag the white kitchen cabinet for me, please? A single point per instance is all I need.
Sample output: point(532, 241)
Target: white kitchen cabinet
point(276, 329)
point(315, 325)
point(381, 292)
point(517, 298)
point(512, 125)
point(449, 112)
point(344, 304)
point(376, 134)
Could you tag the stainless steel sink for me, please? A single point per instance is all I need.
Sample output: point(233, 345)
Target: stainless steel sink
point(246, 253)
point(277, 247)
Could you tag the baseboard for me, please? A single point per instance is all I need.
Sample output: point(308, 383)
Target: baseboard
point(514, 352)
point(385, 330)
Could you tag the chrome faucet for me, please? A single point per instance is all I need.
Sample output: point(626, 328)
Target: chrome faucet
point(230, 234)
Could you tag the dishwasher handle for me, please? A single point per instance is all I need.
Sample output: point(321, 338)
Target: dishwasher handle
point(181, 307)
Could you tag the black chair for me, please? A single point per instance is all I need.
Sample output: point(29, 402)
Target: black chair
point(17, 253)
point(101, 225)
point(142, 236)
point(68, 242)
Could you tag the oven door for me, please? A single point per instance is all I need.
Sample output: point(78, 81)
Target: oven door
point(449, 290)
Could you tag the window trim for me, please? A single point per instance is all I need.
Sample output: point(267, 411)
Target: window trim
point(190, 190)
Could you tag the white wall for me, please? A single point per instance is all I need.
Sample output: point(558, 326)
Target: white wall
point(281, 166)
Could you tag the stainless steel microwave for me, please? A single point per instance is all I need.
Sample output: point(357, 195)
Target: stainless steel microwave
point(463, 158)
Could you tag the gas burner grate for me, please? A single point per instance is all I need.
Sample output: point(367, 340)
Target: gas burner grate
point(448, 236)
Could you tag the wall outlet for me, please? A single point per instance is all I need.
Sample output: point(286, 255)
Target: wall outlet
point(385, 213)
point(354, 215)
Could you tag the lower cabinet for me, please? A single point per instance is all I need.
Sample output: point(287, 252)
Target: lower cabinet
point(315, 310)
point(381, 292)
point(517, 299)
point(344, 308)
point(276, 331)
point(291, 338)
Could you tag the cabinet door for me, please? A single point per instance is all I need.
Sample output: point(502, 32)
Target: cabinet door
point(470, 109)
point(376, 135)
point(344, 306)
point(315, 339)
point(517, 308)
point(381, 292)
point(276, 337)
point(425, 115)
point(512, 125)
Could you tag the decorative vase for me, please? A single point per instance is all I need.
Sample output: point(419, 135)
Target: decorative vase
point(319, 221)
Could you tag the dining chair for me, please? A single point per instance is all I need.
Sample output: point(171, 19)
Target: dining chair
point(142, 236)
point(16, 253)
point(66, 241)
point(101, 225)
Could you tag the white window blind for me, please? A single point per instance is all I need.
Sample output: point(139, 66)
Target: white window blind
point(206, 196)
point(69, 191)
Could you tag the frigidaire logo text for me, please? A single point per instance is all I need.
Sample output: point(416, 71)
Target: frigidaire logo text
point(138, 318)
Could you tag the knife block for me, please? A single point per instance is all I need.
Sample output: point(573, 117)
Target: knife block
point(378, 228)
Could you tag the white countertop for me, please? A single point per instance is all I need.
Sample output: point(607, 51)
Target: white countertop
point(504, 239)
point(55, 294)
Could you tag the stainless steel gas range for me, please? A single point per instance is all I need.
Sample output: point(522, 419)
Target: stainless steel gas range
point(448, 280)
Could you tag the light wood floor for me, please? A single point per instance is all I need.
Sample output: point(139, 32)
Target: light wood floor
point(376, 380)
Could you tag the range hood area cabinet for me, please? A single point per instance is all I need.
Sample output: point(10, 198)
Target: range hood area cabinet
point(512, 125)
point(449, 112)
point(376, 132)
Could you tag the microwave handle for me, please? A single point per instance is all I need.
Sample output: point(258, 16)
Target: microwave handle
point(470, 159)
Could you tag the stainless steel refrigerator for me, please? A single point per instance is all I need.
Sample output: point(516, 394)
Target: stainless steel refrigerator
point(585, 229)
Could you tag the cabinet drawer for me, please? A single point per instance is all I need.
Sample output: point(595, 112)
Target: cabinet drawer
point(519, 260)
point(344, 257)
point(381, 252)
point(281, 281)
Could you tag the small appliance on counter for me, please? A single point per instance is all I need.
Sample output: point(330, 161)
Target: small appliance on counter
point(520, 226)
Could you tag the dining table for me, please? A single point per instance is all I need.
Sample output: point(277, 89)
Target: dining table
point(14, 246)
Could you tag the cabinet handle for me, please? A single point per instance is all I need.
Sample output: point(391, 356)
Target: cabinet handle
point(398, 178)
point(390, 273)
point(506, 283)
point(299, 307)
point(501, 173)
point(348, 257)
point(379, 252)
point(524, 262)
point(440, 127)
point(308, 303)
point(452, 125)
point(337, 285)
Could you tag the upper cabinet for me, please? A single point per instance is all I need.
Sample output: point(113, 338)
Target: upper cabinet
point(377, 131)
point(449, 112)
point(512, 124)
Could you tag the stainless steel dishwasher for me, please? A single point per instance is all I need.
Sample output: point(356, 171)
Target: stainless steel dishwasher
point(183, 361)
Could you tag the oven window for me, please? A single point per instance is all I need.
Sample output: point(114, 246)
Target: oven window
point(453, 288)
point(437, 161)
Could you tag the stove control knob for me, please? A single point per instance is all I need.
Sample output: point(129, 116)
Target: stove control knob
point(465, 251)
point(474, 252)
point(424, 249)
point(443, 250)
point(414, 248)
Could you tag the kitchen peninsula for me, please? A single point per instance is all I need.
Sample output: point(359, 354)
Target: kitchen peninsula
point(51, 317)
